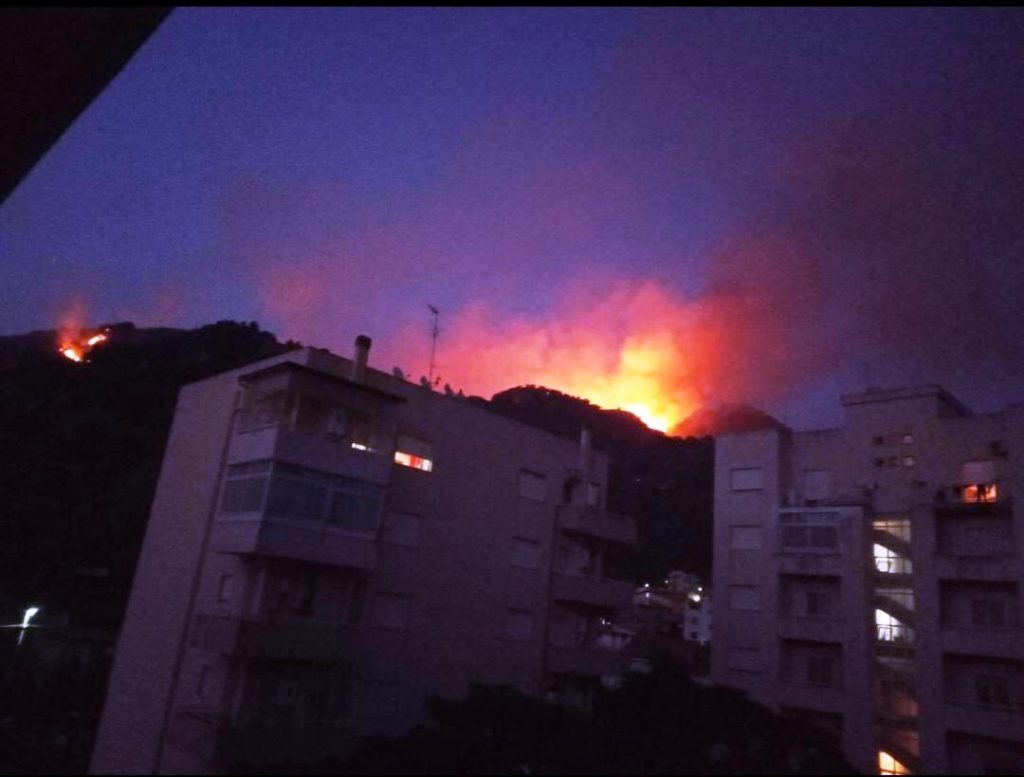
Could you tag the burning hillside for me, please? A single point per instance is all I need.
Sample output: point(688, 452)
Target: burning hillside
point(626, 345)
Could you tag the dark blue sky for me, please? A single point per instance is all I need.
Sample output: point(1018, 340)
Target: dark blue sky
point(831, 174)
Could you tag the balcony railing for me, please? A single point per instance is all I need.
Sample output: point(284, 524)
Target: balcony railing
point(312, 542)
point(593, 522)
point(592, 590)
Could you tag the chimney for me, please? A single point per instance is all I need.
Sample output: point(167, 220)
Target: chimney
point(363, 344)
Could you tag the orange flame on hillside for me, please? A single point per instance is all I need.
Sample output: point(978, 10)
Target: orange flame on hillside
point(633, 347)
point(74, 340)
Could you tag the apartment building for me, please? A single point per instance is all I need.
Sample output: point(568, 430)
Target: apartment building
point(329, 545)
point(869, 579)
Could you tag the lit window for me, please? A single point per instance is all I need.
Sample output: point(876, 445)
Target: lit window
point(891, 629)
point(414, 453)
point(908, 461)
point(908, 439)
point(889, 562)
point(889, 765)
point(980, 492)
point(897, 527)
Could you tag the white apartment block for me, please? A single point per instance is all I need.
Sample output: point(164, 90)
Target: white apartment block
point(869, 578)
point(329, 545)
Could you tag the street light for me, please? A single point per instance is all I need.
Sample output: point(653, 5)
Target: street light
point(30, 613)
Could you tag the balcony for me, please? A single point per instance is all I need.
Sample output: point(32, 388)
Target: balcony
point(592, 661)
point(313, 451)
point(315, 543)
point(291, 641)
point(592, 522)
point(596, 591)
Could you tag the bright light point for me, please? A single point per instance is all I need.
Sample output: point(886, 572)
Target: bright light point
point(30, 613)
point(695, 597)
point(72, 353)
point(360, 447)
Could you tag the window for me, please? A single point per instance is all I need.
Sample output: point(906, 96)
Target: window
point(355, 505)
point(525, 553)
point(991, 690)
point(818, 604)
point(907, 439)
point(519, 625)
point(988, 614)
point(983, 492)
point(745, 538)
point(908, 461)
point(594, 494)
point(890, 629)
point(901, 596)
point(401, 529)
point(744, 597)
point(819, 670)
point(245, 487)
point(889, 765)
point(878, 440)
point(264, 408)
point(533, 485)
point(897, 527)
point(294, 496)
point(391, 611)
point(809, 531)
point(413, 453)
point(747, 479)
point(889, 562)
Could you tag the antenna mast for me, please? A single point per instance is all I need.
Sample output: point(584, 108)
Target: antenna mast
point(434, 332)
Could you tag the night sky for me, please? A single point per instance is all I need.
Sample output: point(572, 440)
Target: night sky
point(776, 196)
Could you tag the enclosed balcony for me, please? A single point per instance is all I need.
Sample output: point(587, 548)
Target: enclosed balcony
point(597, 523)
point(279, 510)
point(298, 415)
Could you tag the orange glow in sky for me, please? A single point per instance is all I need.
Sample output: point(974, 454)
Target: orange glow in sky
point(631, 346)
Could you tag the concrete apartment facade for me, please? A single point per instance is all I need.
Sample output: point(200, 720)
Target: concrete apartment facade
point(329, 545)
point(869, 579)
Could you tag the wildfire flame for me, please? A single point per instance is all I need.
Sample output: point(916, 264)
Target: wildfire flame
point(635, 347)
point(75, 341)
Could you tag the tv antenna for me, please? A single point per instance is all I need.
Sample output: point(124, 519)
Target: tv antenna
point(434, 332)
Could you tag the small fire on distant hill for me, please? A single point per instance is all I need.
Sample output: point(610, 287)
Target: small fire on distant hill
point(75, 341)
point(78, 348)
